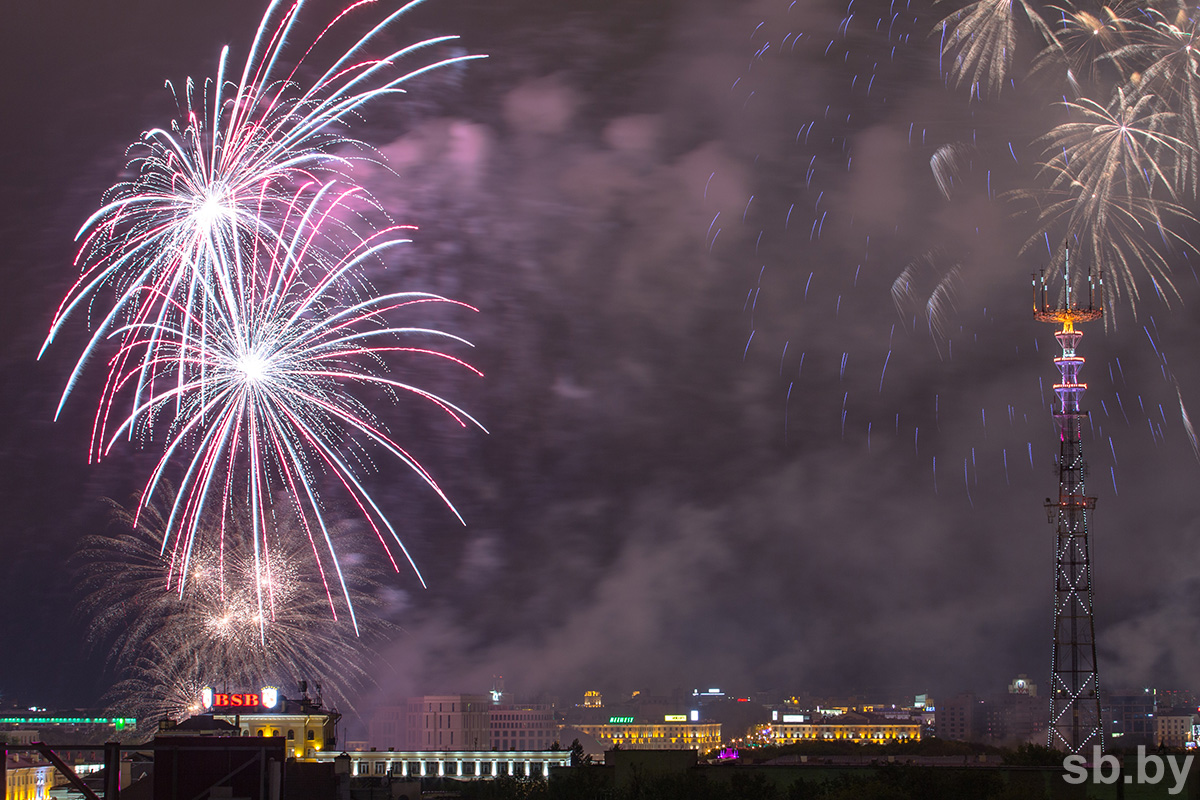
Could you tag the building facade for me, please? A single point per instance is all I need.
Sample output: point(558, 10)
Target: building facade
point(523, 727)
point(1174, 728)
point(854, 726)
point(674, 735)
point(1129, 717)
point(305, 725)
point(446, 722)
point(463, 764)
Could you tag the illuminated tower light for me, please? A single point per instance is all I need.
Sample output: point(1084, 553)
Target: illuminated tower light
point(1075, 722)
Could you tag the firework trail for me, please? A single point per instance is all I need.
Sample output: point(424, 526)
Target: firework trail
point(1105, 171)
point(166, 639)
point(1116, 168)
point(240, 317)
point(262, 389)
point(222, 176)
point(981, 38)
point(1161, 56)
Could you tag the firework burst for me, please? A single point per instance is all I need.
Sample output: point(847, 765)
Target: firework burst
point(980, 39)
point(1116, 172)
point(222, 176)
point(1109, 191)
point(1163, 59)
point(166, 638)
point(258, 390)
point(241, 318)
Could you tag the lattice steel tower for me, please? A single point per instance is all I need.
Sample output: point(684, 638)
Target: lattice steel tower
point(1075, 721)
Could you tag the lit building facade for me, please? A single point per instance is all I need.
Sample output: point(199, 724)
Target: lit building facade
point(307, 728)
point(462, 764)
point(853, 726)
point(29, 777)
point(307, 734)
point(667, 735)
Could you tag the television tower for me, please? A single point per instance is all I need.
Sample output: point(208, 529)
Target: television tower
point(1075, 721)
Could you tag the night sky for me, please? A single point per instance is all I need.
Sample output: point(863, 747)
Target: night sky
point(721, 451)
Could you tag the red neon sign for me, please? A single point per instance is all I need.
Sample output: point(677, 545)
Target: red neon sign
point(222, 700)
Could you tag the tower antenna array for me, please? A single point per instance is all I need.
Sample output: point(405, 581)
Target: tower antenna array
point(1075, 721)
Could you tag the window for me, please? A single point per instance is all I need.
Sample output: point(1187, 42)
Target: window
point(291, 735)
point(312, 735)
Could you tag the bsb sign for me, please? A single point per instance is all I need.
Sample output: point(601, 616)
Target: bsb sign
point(221, 701)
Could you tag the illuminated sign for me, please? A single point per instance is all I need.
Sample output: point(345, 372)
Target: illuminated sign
point(620, 720)
point(225, 700)
point(675, 718)
point(795, 718)
point(268, 697)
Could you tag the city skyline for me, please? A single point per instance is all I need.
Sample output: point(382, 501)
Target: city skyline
point(722, 450)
